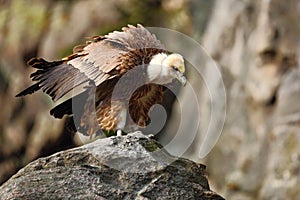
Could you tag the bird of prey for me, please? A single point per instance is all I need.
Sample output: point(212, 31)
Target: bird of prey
point(120, 76)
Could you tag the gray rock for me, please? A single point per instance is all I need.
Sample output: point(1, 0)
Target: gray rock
point(122, 167)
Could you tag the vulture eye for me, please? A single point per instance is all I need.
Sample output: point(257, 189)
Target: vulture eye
point(175, 68)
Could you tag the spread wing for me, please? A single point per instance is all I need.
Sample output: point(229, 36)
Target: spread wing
point(116, 53)
point(103, 58)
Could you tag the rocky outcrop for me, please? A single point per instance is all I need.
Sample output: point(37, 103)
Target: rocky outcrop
point(122, 167)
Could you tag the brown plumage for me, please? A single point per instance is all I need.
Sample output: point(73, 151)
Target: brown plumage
point(98, 66)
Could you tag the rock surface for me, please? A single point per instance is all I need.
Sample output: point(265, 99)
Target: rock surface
point(127, 167)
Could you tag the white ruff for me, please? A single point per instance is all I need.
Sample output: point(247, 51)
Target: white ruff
point(155, 67)
point(161, 68)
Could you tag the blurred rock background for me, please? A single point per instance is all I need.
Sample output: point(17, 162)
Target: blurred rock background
point(257, 45)
point(255, 42)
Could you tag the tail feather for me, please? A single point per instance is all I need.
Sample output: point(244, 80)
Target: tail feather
point(65, 108)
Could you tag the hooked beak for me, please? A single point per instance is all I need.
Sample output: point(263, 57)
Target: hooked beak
point(181, 78)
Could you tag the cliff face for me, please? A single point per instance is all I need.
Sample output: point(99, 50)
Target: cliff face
point(126, 167)
point(256, 44)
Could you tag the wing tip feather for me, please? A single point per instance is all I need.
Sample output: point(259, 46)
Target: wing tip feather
point(29, 90)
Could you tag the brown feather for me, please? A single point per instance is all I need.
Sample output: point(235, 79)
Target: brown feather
point(108, 114)
point(141, 102)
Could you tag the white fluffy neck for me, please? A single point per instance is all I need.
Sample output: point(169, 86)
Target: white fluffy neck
point(156, 71)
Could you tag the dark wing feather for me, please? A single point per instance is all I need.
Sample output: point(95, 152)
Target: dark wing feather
point(29, 90)
point(54, 78)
